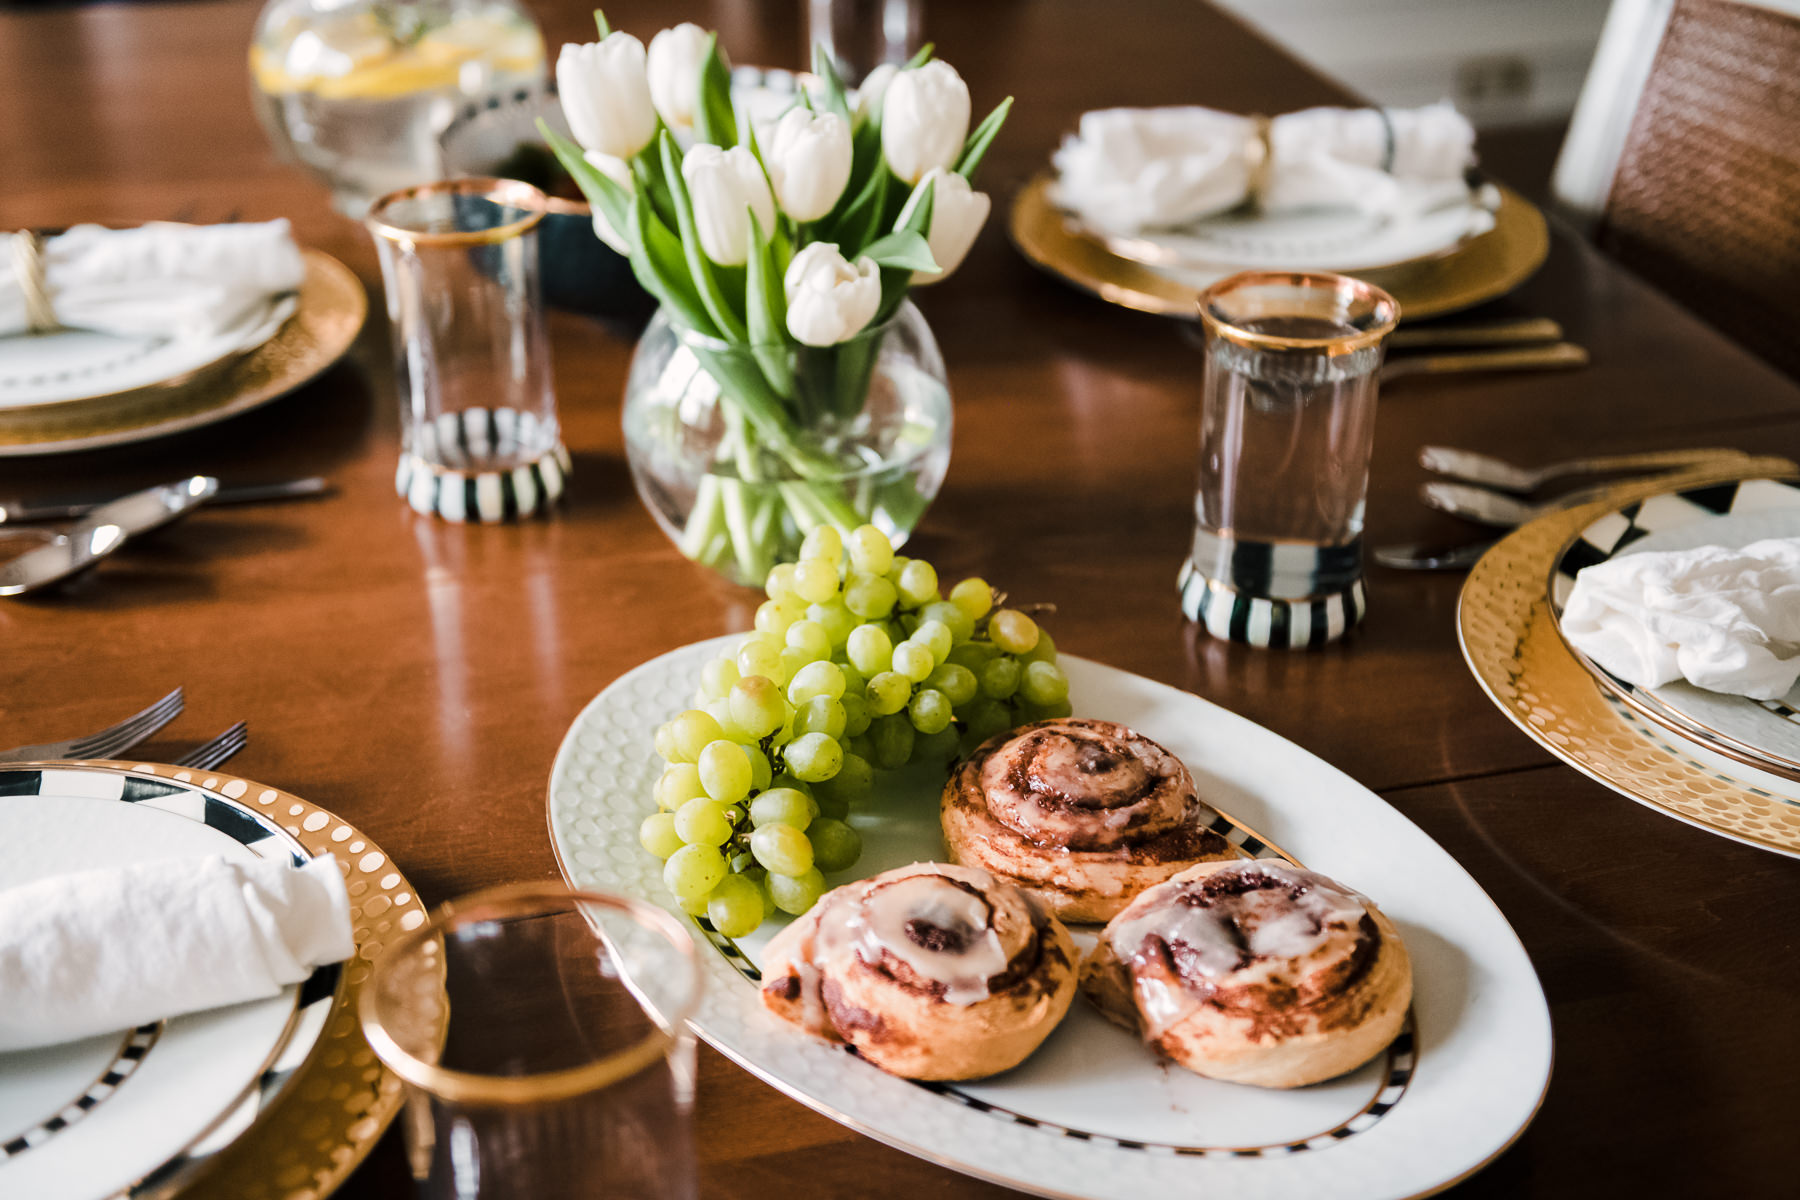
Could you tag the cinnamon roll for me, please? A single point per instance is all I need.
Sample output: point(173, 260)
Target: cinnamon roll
point(1084, 814)
point(928, 971)
point(1254, 972)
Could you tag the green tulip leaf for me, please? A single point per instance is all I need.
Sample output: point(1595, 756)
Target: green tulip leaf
point(861, 217)
point(712, 296)
point(905, 250)
point(601, 190)
point(976, 148)
point(765, 303)
point(921, 58)
point(714, 120)
point(835, 98)
point(600, 22)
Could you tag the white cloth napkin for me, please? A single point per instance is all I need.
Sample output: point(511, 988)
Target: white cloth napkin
point(158, 280)
point(1129, 169)
point(1724, 620)
point(107, 950)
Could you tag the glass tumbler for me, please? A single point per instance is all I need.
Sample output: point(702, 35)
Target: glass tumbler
point(861, 35)
point(479, 439)
point(541, 1034)
point(1287, 421)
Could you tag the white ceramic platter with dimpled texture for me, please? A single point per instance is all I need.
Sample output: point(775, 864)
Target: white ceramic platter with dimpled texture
point(1093, 1113)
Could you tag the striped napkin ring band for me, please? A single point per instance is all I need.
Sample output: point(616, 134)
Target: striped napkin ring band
point(28, 267)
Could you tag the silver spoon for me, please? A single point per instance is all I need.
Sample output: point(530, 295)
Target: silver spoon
point(103, 531)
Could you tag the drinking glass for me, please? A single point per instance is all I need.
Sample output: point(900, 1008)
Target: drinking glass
point(860, 35)
point(478, 433)
point(541, 1034)
point(1287, 421)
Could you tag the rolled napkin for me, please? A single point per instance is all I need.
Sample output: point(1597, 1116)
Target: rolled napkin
point(1130, 169)
point(155, 280)
point(1724, 620)
point(107, 950)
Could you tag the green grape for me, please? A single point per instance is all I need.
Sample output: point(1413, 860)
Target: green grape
point(717, 676)
point(870, 597)
point(725, 771)
point(1000, 678)
point(918, 583)
point(796, 895)
point(810, 636)
point(736, 906)
point(773, 618)
point(835, 845)
point(756, 706)
point(891, 740)
point(783, 806)
point(957, 683)
point(914, 660)
point(760, 770)
point(936, 636)
point(1045, 650)
point(856, 712)
point(780, 583)
point(983, 719)
point(929, 710)
point(693, 908)
point(692, 872)
point(936, 748)
point(783, 849)
point(888, 692)
point(1013, 631)
point(960, 624)
point(816, 679)
point(664, 743)
point(973, 596)
point(658, 834)
point(814, 757)
point(785, 780)
point(854, 780)
point(974, 655)
point(1044, 684)
point(679, 783)
point(824, 543)
point(821, 714)
point(870, 550)
point(692, 730)
point(793, 658)
point(835, 807)
point(870, 649)
point(720, 711)
point(704, 822)
point(837, 620)
point(860, 745)
point(759, 654)
point(854, 680)
point(816, 581)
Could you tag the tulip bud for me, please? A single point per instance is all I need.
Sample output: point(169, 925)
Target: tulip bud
point(957, 215)
point(924, 120)
point(868, 96)
point(829, 300)
point(726, 187)
point(606, 95)
point(676, 59)
point(808, 157)
point(619, 171)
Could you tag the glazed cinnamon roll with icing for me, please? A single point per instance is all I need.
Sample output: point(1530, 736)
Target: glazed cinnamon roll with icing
point(928, 971)
point(1084, 814)
point(1254, 972)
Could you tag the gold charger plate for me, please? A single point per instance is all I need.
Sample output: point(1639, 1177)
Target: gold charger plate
point(1512, 644)
point(326, 321)
point(1482, 268)
point(342, 1099)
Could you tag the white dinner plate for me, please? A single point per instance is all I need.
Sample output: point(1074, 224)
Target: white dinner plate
point(80, 364)
point(1093, 1113)
point(1740, 733)
point(136, 1112)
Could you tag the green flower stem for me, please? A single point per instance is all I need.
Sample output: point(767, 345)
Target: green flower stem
point(704, 522)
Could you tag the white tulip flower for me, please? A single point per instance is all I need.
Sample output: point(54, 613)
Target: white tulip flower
point(677, 56)
point(606, 95)
point(924, 120)
point(957, 215)
point(619, 171)
point(726, 187)
point(829, 299)
point(873, 88)
point(808, 156)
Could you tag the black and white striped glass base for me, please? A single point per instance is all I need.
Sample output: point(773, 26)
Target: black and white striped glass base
point(443, 473)
point(1299, 624)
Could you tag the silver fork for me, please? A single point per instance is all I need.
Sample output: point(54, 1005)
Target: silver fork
point(210, 754)
point(110, 742)
point(1485, 469)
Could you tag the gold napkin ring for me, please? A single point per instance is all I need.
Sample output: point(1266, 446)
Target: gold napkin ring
point(28, 266)
point(1264, 150)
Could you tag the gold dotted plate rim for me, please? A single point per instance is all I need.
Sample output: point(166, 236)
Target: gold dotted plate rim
point(1511, 643)
point(342, 1099)
point(1482, 268)
point(330, 313)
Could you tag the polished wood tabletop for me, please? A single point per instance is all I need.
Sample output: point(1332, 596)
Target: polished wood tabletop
point(416, 677)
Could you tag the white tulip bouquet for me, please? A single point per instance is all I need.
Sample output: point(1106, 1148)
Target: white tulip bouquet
point(785, 245)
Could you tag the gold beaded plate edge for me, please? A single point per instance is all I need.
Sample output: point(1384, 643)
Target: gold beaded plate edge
point(329, 315)
point(343, 1099)
point(1482, 268)
point(1510, 641)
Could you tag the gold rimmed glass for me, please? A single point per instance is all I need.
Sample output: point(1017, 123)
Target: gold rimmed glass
point(542, 1036)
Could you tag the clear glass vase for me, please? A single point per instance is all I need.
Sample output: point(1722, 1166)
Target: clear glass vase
point(739, 450)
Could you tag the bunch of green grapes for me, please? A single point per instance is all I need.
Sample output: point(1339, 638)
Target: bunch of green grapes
point(858, 663)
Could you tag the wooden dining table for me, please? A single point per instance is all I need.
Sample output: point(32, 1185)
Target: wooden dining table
point(416, 677)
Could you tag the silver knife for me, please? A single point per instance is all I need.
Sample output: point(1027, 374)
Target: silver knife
point(19, 512)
